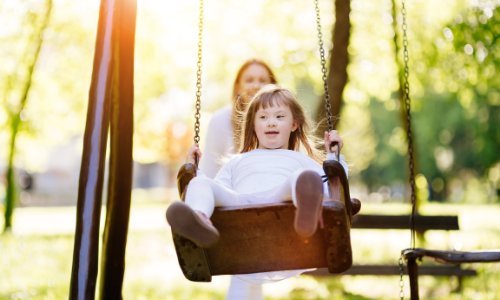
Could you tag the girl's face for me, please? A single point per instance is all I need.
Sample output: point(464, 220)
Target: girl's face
point(253, 78)
point(273, 126)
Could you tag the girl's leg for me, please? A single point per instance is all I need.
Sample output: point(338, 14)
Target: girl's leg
point(305, 188)
point(242, 290)
point(204, 194)
point(191, 219)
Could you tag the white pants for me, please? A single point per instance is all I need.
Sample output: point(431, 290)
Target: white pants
point(204, 194)
point(242, 290)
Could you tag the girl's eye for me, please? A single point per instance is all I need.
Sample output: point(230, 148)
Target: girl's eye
point(262, 117)
point(280, 116)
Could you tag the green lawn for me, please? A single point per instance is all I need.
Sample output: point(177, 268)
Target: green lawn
point(37, 265)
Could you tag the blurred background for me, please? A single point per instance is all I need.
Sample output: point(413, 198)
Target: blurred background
point(46, 58)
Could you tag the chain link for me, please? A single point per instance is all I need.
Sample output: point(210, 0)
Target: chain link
point(408, 126)
point(323, 68)
point(401, 273)
point(197, 115)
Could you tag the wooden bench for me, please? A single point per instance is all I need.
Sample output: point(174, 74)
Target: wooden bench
point(422, 223)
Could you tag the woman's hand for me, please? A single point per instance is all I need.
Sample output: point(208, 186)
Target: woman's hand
point(333, 136)
point(190, 158)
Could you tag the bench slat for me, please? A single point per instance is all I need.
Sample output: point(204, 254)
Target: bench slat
point(403, 222)
point(383, 270)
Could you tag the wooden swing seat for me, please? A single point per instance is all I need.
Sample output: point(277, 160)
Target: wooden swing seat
point(261, 238)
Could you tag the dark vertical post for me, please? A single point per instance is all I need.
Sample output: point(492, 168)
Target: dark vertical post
point(339, 59)
point(120, 164)
point(413, 273)
point(85, 259)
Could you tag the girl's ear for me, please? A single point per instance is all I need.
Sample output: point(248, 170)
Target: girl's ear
point(295, 125)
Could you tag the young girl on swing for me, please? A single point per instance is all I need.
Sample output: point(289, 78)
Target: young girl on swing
point(268, 169)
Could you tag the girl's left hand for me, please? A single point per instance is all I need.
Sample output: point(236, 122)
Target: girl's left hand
point(333, 136)
point(190, 157)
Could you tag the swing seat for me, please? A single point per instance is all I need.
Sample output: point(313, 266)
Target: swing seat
point(262, 238)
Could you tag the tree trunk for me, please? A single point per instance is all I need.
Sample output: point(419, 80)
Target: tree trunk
point(339, 59)
point(16, 120)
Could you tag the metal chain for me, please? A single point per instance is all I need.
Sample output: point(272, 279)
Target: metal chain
point(323, 68)
point(408, 127)
point(197, 115)
point(401, 273)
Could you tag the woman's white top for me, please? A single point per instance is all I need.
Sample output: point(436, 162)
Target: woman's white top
point(219, 142)
point(255, 174)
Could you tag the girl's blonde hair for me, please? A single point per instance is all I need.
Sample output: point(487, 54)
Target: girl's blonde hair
point(271, 95)
point(238, 104)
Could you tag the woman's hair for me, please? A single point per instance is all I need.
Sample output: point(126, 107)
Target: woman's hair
point(238, 104)
point(271, 95)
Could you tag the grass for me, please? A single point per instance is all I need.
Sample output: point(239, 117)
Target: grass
point(37, 265)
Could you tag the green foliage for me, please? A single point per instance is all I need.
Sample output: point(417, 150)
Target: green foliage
point(460, 115)
point(455, 95)
point(56, 103)
point(455, 104)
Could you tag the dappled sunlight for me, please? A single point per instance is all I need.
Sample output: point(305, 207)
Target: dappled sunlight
point(454, 59)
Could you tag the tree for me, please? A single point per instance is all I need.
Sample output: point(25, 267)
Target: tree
point(339, 59)
point(16, 111)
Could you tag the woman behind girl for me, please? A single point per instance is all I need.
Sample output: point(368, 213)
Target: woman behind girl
point(225, 124)
point(268, 169)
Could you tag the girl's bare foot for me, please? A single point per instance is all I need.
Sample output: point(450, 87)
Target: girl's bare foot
point(192, 225)
point(309, 192)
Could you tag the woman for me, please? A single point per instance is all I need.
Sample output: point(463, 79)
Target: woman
point(225, 125)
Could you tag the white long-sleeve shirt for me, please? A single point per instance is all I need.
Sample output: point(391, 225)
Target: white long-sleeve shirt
point(219, 142)
point(262, 170)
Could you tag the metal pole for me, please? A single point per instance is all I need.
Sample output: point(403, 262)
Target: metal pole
point(85, 259)
point(120, 164)
point(413, 273)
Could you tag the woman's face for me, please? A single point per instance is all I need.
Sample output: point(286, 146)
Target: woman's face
point(253, 78)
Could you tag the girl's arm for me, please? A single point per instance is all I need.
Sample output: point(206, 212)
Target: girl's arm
point(190, 158)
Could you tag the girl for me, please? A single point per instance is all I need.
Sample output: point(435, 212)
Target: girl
point(225, 122)
point(221, 142)
point(268, 169)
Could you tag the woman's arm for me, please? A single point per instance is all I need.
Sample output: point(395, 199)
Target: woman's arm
point(217, 134)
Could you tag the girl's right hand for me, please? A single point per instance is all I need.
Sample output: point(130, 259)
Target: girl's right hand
point(190, 158)
point(330, 137)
